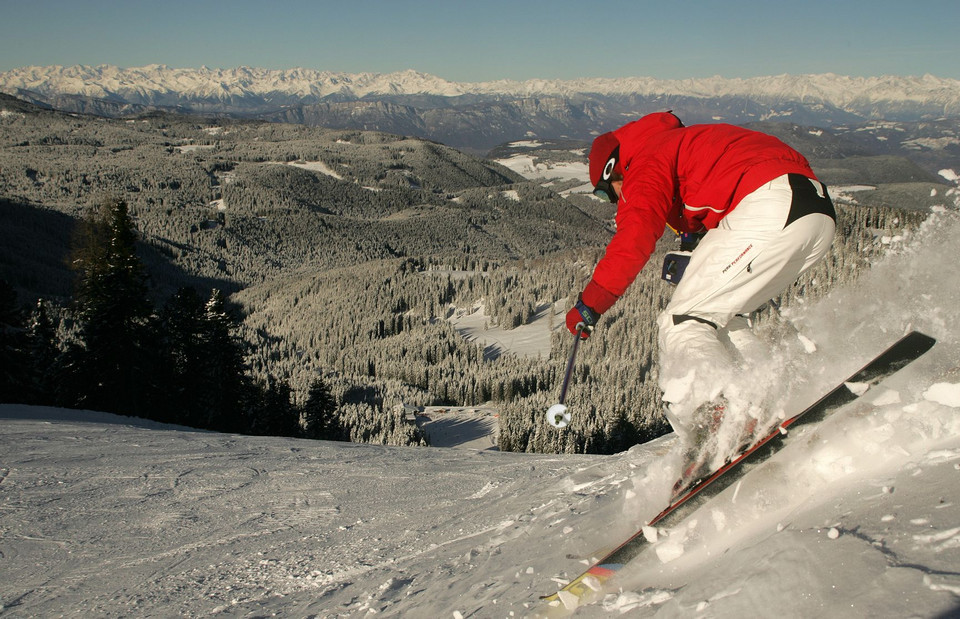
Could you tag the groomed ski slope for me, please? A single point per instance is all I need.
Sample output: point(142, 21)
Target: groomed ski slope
point(860, 517)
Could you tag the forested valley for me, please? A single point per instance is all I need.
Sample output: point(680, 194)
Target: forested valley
point(279, 279)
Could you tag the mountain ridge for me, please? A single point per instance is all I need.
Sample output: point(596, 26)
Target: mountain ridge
point(839, 90)
point(477, 117)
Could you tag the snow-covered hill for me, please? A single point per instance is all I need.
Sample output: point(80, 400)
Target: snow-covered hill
point(859, 517)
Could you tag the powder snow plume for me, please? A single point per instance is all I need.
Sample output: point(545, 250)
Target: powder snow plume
point(844, 480)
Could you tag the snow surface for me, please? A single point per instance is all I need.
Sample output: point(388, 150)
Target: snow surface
point(313, 166)
point(528, 340)
point(465, 427)
point(858, 517)
point(549, 172)
point(316, 166)
point(539, 170)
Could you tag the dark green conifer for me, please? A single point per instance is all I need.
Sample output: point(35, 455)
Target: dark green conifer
point(320, 413)
point(117, 364)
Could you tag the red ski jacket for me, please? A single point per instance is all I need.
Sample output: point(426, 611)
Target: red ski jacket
point(686, 177)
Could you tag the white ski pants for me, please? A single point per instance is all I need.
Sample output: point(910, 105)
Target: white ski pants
point(751, 257)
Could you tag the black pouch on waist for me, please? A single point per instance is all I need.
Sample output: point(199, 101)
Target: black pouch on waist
point(674, 264)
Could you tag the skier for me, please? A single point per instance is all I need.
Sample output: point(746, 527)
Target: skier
point(767, 220)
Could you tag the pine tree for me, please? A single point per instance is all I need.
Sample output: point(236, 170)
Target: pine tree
point(13, 355)
point(117, 362)
point(320, 414)
point(44, 355)
point(224, 384)
point(183, 326)
point(271, 412)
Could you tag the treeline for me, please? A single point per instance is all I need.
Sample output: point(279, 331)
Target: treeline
point(183, 363)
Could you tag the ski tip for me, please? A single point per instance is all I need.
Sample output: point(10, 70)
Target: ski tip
point(920, 339)
point(913, 344)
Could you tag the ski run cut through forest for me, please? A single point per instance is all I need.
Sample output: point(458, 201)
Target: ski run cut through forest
point(858, 516)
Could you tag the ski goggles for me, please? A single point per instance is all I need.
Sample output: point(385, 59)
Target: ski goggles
point(609, 175)
point(604, 188)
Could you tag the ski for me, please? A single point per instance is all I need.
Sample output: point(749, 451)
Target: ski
point(590, 583)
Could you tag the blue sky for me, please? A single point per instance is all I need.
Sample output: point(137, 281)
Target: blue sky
point(478, 40)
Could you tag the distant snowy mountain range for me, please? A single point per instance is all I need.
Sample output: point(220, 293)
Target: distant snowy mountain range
point(482, 114)
point(151, 83)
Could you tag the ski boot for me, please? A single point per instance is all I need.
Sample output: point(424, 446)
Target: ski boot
point(700, 454)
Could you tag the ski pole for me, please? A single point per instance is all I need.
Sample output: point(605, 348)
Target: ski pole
point(557, 415)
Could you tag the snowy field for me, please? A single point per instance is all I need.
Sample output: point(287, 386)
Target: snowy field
point(548, 172)
point(464, 427)
point(531, 339)
point(858, 517)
